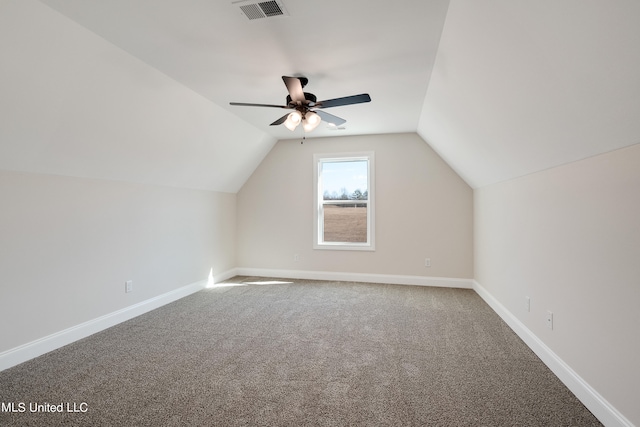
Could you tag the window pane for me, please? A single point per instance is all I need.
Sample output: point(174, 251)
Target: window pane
point(344, 180)
point(345, 223)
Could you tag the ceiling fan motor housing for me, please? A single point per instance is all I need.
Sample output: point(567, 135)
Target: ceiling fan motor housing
point(308, 96)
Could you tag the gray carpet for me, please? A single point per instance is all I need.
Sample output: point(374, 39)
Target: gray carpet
point(301, 353)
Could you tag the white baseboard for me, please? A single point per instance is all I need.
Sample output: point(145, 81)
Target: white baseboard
point(598, 405)
point(226, 275)
point(59, 339)
point(393, 279)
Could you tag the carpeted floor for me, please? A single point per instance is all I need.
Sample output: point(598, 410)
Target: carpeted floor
point(268, 352)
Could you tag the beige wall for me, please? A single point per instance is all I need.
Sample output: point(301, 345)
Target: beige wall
point(569, 238)
point(68, 245)
point(423, 209)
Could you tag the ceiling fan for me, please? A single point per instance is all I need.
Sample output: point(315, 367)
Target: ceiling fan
point(307, 110)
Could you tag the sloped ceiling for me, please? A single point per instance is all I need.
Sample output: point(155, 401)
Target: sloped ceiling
point(522, 86)
point(140, 90)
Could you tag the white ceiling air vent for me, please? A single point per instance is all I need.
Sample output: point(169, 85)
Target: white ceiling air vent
point(263, 9)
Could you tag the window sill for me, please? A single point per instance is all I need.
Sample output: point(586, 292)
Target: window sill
point(344, 247)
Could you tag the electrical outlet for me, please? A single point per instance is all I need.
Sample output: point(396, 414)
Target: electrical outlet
point(527, 303)
point(296, 258)
point(427, 262)
point(549, 320)
point(128, 286)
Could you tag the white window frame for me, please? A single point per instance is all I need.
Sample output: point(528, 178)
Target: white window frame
point(318, 212)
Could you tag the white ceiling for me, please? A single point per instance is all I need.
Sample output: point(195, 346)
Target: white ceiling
point(499, 88)
point(344, 48)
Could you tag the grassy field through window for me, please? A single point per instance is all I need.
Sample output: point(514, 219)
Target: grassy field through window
point(345, 224)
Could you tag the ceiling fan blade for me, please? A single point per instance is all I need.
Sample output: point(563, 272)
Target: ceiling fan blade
point(281, 120)
point(244, 104)
point(295, 89)
point(330, 118)
point(347, 100)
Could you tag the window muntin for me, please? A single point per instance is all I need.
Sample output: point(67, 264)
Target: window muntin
point(344, 201)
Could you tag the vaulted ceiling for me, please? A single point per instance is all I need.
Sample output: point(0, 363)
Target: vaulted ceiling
point(498, 88)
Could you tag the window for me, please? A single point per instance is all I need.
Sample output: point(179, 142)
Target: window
point(344, 201)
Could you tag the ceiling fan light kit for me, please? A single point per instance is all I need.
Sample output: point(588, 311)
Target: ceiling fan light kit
point(306, 110)
point(310, 121)
point(293, 120)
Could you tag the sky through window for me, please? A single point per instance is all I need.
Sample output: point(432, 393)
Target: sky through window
point(351, 175)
